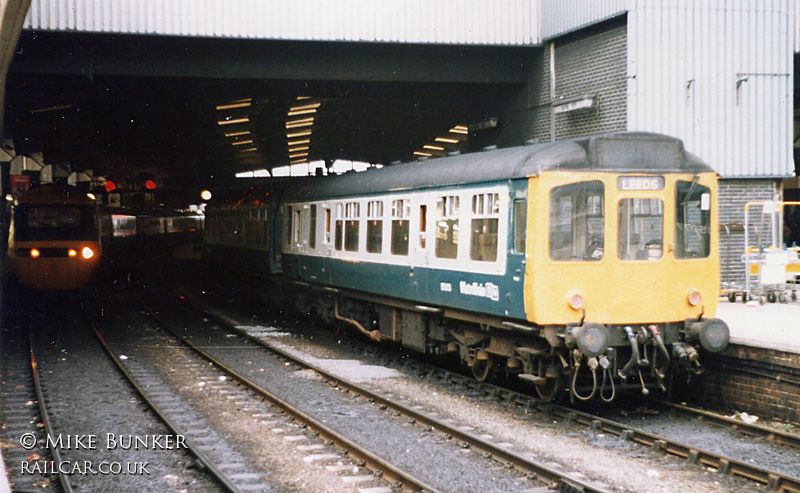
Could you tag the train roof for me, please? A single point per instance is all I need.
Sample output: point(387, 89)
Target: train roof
point(634, 152)
point(55, 194)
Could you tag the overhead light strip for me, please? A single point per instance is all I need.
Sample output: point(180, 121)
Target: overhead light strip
point(234, 121)
point(232, 106)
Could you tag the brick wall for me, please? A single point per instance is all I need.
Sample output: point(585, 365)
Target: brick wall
point(592, 63)
point(762, 382)
point(733, 195)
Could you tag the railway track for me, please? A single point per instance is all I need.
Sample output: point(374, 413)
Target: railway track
point(499, 455)
point(773, 480)
point(23, 411)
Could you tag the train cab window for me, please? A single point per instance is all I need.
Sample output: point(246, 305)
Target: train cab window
point(485, 217)
point(448, 209)
point(693, 220)
point(312, 227)
point(41, 223)
point(352, 213)
point(520, 224)
point(401, 211)
point(577, 221)
point(641, 229)
point(374, 226)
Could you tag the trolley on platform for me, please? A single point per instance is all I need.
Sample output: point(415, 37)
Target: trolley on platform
point(771, 268)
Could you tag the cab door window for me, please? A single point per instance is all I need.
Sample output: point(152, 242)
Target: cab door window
point(577, 221)
point(641, 229)
point(693, 220)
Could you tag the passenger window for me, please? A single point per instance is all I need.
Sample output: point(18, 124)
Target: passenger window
point(577, 228)
point(520, 224)
point(287, 232)
point(401, 210)
point(339, 226)
point(375, 226)
point(641, 229)
point(423, 226)
point(352, 214)
point(312, 227)
point(448, 209)
point(485, 217)
point(693, 220)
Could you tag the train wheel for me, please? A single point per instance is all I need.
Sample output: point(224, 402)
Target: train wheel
point(553, 386)
point(483, 369)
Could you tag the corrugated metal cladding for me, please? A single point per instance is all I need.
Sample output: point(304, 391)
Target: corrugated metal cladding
point(474, 22)
point(562, 16)
point(718, 74)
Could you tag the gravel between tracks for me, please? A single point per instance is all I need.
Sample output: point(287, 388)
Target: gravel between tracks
point(624, 466)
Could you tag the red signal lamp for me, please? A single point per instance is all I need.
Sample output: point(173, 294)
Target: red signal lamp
point(150, 185)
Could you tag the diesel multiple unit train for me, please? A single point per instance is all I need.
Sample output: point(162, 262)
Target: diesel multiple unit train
point(58, 236)
point(583, 267)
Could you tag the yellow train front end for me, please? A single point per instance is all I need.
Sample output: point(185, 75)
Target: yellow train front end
point(54, 240)
point(622, 276)
point(54, 265)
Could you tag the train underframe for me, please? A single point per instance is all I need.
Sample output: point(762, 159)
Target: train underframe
point(579, 362)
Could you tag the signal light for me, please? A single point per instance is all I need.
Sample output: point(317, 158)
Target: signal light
point(150, 185)
point(35, 253)
point(72, 252)
point(110, 186)
point(87, 253)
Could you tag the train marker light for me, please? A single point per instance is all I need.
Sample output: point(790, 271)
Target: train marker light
point(72, 252)
point(694, 297)
point(87, 253)
point(35, 253)
point(205, 195)
point(575, 300)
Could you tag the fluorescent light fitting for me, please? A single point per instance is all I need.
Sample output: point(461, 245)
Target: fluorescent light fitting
point(299, 154)
point(460, 129)
point(242, 142)
point(244, 104)
point(305, 107)
point(52, 108)
point(433, 148)
point(300, 98)
point(249, 149)
point(447, 140)
point(298, 134)
point(301, 112)
point(234, 121)
point(237, 134)
point(300, 123)
point(299, 142)
point(299, 161)
point(296, 149)
point(419, 153)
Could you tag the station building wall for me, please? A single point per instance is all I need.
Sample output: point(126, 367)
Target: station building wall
point(594, 62)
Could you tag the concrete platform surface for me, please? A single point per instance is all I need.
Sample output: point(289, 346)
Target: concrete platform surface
point(771, 325)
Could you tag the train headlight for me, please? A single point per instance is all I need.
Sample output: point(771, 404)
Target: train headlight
point(72, 252)
point(694, 297)
point(87, 253)
point(575, 300)
point(712, 333)
point(35, 253)
point(592, 339)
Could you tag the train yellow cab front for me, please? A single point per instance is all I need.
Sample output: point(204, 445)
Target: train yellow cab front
point(621, 248)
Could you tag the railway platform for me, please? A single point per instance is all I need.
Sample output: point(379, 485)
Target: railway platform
point(771, 325)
